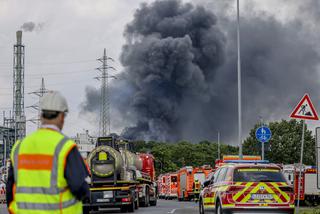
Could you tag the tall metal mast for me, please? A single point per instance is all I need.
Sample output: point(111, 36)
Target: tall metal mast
point(105, 122)
point(18, 88)
point(239, 84)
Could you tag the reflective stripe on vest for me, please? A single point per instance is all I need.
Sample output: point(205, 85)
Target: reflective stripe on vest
point(53, 189)
point(40, 206)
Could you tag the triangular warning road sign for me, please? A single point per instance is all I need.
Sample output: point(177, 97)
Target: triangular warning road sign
point(305, 109)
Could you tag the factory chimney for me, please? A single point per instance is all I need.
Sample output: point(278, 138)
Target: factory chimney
point(18, 88)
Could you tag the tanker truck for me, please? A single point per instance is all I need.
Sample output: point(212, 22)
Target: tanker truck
point(119, 178)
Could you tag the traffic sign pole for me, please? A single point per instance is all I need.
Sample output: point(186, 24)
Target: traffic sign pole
point(262, 151)
point(305, 110)
point(318, 155)
point(263, 135)
point(300, 170)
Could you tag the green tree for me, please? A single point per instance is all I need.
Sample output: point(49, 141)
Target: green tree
point(285, 143)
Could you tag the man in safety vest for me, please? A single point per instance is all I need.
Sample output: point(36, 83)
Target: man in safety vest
point(47, 174)
point(196, 189)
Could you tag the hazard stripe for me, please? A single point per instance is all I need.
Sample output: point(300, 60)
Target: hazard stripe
point(269, 190)
point(208, 204)
point(255, 190)
point(284, 196)
point(240, 193)
point(247, 197)
point(253, 185)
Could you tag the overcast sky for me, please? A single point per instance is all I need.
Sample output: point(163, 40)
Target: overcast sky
point(68, 38)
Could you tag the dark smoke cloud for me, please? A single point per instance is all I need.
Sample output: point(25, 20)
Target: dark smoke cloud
point(31, 26)
point(175, 53)
point(180, 77)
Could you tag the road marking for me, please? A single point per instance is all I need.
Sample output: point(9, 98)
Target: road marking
point(172, 211)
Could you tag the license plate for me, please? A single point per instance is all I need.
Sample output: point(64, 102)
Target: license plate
point(261, 196)
point(107, 194)
point(103, 200)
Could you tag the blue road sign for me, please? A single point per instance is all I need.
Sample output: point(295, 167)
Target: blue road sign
point(263, 134)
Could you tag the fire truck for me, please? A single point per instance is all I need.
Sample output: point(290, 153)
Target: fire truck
point(308, 191)
point(186, 178)
point(167, 186)
point(171, 185)
point(161, 183)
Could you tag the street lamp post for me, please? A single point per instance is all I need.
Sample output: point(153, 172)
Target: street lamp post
point(239, 84)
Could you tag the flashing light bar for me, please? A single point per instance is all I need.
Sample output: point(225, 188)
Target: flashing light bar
point(237, 157)
point(247, 161)
point(311, 171)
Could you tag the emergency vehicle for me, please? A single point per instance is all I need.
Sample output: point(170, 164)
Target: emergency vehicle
point(186, 178)
point(171, 185)
point(185, 182)
point(162, 186)
point(247, 187)
point(308, 191)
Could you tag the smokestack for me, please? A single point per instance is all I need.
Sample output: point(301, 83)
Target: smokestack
point(18, 88)
point(19, 37)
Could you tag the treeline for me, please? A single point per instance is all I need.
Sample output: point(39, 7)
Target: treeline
point(172, 156)
point(284, 147)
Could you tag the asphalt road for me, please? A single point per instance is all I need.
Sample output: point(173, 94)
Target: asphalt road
point(163, 207)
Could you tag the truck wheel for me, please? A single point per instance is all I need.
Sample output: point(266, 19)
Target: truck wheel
point(123, 209)
point(130, 208)
point(147, 199)
point(153, 203)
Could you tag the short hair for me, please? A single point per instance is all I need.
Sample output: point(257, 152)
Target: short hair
point(49, 115)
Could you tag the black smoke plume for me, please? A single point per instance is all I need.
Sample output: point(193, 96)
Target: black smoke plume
point(180, 76)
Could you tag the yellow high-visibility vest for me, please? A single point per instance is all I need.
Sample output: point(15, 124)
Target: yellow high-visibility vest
point(40, 187)
point(196, 187)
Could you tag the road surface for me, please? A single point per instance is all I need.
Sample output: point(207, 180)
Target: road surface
point(163, 207)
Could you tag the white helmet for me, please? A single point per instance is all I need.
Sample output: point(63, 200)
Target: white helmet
point(53, 101)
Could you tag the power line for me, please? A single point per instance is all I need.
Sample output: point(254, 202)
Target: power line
point(53, 84)
point(52, 73)
point(49, 63)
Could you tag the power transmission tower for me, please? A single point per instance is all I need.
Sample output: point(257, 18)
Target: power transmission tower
point(42, 91)
point(105, 122)
point(18, 88)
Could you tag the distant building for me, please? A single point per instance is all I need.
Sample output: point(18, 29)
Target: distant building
point(85, 142)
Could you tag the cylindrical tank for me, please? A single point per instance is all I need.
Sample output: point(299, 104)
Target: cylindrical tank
point(148, 164)
point(133, 160)
point(97, 161)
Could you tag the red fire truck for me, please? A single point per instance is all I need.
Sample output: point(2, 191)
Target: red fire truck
point(162, 186)
point(308, 190)
point(186, 178)
point(171, 185)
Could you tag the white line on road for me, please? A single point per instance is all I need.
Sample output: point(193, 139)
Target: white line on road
point(172, 211)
